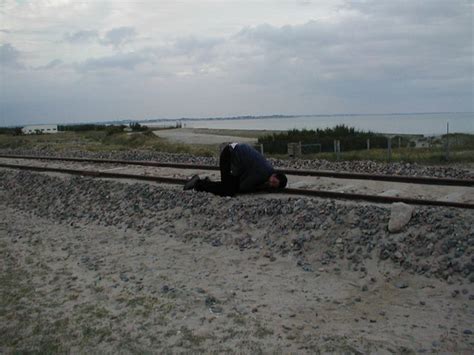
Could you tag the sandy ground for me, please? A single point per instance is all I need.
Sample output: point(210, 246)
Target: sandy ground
point(189, 136)
point(81, 287)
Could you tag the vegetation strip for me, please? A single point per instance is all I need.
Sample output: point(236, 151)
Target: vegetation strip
point(333, 174)
point(315, 193)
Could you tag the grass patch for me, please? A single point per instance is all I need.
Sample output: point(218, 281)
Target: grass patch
point(261, 331)
point(408, 155)
point(94, 334)
point(461, 145)
point(238, 319)
point(92, 311)
point(102, 141)
point(319, 144)
point(27, 330)
point(349, 137)
point(191, 339)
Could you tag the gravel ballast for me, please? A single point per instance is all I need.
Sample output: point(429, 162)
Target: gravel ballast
point(436, 242)
point(97, 265)
point(364, 166)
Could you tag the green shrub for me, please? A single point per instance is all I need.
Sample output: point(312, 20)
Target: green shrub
point(82, 127)
point(13, 131)
point(349, 137)
point(110, 130)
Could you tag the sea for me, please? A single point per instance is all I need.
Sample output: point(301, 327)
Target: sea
point(427, 124)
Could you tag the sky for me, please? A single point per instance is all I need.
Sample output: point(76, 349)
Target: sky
point(65, 61)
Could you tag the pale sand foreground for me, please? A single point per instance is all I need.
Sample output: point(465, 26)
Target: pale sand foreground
point(80, 287)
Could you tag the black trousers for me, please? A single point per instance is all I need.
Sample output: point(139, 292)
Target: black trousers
point(229, 184)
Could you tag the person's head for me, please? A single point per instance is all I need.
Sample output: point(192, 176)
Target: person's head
point(277, 181)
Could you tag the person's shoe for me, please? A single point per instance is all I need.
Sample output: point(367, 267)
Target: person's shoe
point(191, 183)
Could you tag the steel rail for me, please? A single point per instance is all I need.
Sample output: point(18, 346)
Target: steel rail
point(95, 174)
point(314, 193)
point(319, 173)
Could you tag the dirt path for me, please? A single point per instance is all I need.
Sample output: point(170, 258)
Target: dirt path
point(190, 136)
point(81, 286)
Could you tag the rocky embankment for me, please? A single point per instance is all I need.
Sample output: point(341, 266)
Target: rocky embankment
point(437, 242)
point(104, 266)
point(370, 167)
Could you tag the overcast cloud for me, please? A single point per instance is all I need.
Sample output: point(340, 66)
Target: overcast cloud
point(80, 36)
point(66, 61)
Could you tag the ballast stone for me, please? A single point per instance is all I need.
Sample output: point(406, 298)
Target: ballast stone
point(400, 215)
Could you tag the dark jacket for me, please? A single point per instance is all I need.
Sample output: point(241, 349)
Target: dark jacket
point(250, 166)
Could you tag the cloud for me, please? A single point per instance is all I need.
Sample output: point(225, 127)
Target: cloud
point(125, 61)
point(192, 50)
point(412, 10)
point(117, 37)
point(51, 65)
point(81, 36)
point(362, 56)
point(9, 56)
point(383, 53)
point(190, 44)
point(180, 57)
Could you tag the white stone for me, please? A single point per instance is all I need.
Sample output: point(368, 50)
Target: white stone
point(400, 215)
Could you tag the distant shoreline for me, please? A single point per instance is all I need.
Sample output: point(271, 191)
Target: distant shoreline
point(255, 133)
point(428, 124)
point(262, 117)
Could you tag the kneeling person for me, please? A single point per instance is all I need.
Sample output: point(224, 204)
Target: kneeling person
point(243, 169)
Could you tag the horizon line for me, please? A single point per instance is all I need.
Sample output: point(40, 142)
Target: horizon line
point(245, 117)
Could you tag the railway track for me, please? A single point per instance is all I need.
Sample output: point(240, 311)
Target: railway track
point(288, 191)
point(317, 173)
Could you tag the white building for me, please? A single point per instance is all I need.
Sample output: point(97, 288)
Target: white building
point(44, 128)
